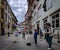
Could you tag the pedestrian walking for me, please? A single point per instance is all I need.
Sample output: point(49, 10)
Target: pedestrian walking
point(35, 36)
point(49, 34)
point(23, 35)
point(17, 33)
point(8, 34)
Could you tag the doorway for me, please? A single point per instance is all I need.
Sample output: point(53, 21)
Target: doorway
point(38, 26)
point(2, 29)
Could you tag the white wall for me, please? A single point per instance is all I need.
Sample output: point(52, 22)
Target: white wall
point(42, 14)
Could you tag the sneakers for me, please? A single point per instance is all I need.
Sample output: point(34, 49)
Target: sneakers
point(49, 48)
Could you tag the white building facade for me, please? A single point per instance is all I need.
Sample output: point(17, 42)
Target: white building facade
point(46, 11)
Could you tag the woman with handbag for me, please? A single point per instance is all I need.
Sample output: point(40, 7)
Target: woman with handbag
point(49, 34)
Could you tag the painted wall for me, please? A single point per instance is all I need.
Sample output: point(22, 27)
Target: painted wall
point(42, 14)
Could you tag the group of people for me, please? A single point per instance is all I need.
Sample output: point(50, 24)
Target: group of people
point(48, 34)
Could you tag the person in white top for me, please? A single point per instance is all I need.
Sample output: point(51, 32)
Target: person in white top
point(49, 34)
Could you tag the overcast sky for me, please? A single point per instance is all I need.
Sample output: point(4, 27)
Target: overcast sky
point(19, 8)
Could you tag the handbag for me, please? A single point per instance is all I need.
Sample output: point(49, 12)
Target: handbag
point(51, 34)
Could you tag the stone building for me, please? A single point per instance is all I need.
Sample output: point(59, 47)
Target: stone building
point(45, 11)
point(7, 18)
point(1, 17)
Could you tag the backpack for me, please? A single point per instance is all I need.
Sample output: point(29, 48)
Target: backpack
point(52, 33)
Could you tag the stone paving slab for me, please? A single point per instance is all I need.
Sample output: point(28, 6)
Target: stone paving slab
point(21, 44)
point(6, 43)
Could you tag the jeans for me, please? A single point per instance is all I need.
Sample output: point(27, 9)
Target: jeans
point(49, 40)
point(35, 39)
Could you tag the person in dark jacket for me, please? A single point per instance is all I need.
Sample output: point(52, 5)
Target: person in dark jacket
point(35, 36)
point(23, 35)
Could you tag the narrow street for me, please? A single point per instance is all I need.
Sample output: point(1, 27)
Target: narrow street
point(24, 22)
point(7, 43)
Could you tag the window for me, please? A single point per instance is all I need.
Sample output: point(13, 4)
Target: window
point(49, 4)
point(53, 23)
point(32, 12)
point(5, 17)
point(39, 7)
point(45, 21)
point(8, 18)
point(35, 13)
point(0, 1)
point(8, 10)
point(5, 5)
point(34, 6)
point(55, 20)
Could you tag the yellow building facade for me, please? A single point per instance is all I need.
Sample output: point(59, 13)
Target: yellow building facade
point(1, 16)
point(6, 18)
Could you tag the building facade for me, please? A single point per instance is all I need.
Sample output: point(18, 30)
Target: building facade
point(1, 17)
point(26, 22)
point(42, 11)
point(7, 18)
point(46, 11)
point(29, 15)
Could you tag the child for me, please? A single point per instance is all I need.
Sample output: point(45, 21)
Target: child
point(35, 36)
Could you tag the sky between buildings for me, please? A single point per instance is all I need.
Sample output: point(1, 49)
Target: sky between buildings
point(19, 8)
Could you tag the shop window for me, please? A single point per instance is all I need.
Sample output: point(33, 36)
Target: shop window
point(53, 23)
point(57, 22)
